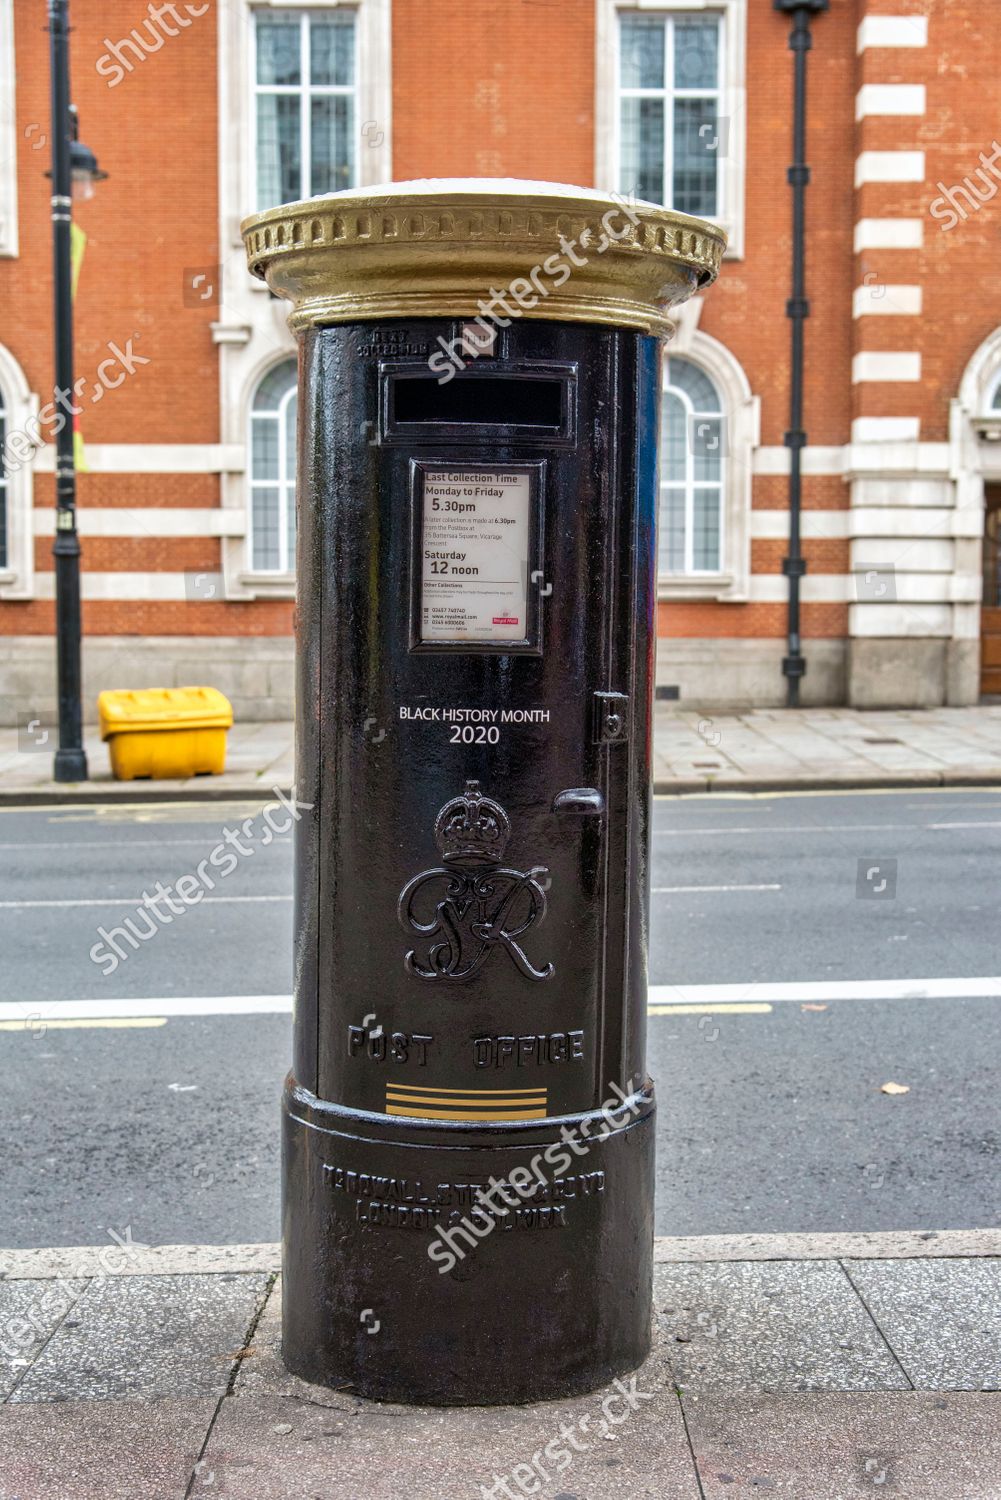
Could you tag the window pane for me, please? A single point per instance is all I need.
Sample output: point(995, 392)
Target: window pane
point(264, 519)
point(692, 468)
point(264, 448)
point(642, 53)
point(696, 153)
point(279, 163)
point(278, 50)
point(331, 51)
point(672, 530)
point(3, 492)
point(332, 117)
point(3, 488)
point(290, 439)
point(642, 164)
point(705, 531)
point(673, 441)
point(275, 385)
point(694, 382)
point(707, 447)
point(290, 527)
point(696, 48)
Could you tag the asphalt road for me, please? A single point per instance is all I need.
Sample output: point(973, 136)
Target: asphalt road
point(771, 1115)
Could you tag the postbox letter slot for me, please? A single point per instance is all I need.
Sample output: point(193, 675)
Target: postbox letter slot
point(483, 401)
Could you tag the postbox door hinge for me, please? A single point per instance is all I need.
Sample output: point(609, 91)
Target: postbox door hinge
point(611, 718)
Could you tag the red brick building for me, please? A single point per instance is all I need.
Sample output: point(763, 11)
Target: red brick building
point(203, 111)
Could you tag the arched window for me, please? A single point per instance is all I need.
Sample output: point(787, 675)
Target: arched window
point(691, 472)
point(19, 439)
point(4, 548)
point(272, 471)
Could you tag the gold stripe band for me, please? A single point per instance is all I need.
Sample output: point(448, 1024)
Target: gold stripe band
point(417, 1088)
point(466, 1114)
point(536, 1100)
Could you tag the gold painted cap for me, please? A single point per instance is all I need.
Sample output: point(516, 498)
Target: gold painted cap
point(447, 247)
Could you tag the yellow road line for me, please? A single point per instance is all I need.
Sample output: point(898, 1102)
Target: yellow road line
point(724, 1008)
point(35, 1024)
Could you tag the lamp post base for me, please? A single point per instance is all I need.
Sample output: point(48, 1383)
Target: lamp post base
point(69, 765)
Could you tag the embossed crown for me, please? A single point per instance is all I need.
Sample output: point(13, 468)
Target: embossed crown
point(472, 829)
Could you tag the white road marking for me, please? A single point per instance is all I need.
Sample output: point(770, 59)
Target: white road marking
point(672, 890)
point(773, 828)
point(701, 995)
point(170, 1005)
point(28, 1023)
point(141, 812)
point(828, 989)
point(129, 843)
point(971, 824)
point(736, 1008)
point(135, 901)
point(805, 793)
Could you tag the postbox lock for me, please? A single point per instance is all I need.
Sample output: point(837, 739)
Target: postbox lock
point(611, 717)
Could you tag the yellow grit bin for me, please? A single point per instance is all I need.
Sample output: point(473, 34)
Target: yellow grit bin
point(165, 732)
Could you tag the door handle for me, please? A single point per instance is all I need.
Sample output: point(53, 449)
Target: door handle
point(585, 801)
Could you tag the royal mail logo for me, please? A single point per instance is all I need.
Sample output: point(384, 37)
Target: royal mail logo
point(471, 905)
point(505, 620)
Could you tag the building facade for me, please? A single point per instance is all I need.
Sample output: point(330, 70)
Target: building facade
point(185, 407)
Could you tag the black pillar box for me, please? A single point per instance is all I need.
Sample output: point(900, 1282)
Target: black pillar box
point(469, 1125)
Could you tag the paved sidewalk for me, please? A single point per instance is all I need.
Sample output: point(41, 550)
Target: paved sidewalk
point(259, 757)
point(768, 750)
point(779, 749)
point(800, 1367)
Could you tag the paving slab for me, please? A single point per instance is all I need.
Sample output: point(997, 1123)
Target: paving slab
point(94, 1450)
point(147, 1336)
point(30, 1312)
point(942, 1318)
point(591, 1448)
point(888, 1244)
point(262, 1372)
point(143, 1260)
point(342, 1447)
point(769, 1326)
point(847, 1446)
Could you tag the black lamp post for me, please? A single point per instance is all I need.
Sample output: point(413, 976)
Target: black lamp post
point(797, 310)
point(74, 171)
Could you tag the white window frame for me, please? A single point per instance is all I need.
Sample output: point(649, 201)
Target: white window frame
point(306, 90)
point(691, 484)
point(669, 92)
point(732, 96)
point(251, 330)
point(8, 134)
point(17, 579)
point(285, 572)
point(741, 415)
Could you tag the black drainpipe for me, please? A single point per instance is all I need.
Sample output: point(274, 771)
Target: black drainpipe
point(797, 311)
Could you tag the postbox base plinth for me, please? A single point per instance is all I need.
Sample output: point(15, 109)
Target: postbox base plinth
point(551, 1298)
